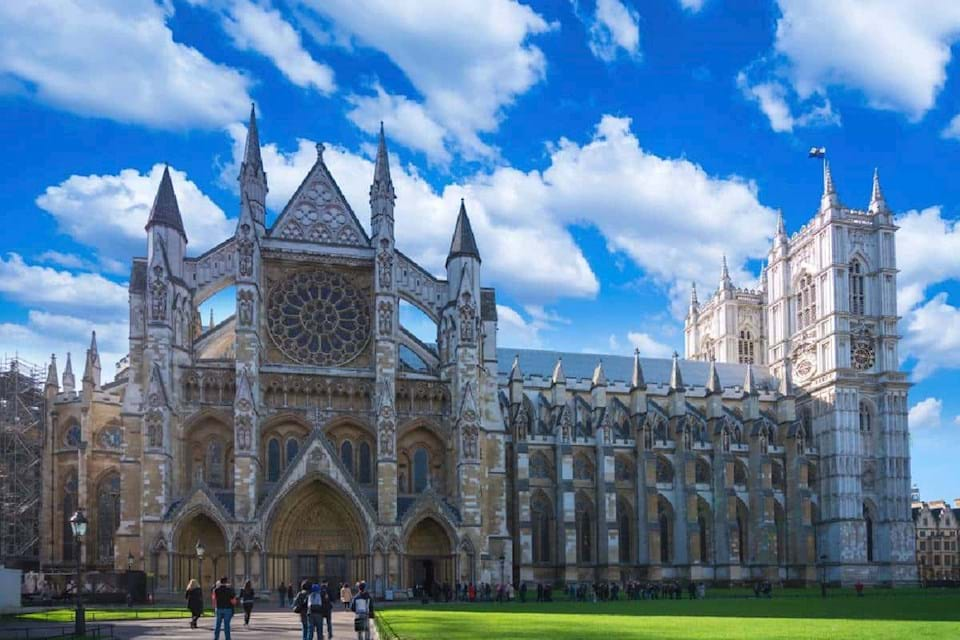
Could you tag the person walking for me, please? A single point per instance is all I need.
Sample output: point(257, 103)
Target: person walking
point(194, 596)
point(247, 596)
point(282, 590)
point(300, 607)
point(290, 593)
point(326, 599)
point(315, 613)
point(224, 598)
point(346, 595)
point(362, 605)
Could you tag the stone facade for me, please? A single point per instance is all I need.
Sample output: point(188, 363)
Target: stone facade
point(311, 435)
point(938, 534)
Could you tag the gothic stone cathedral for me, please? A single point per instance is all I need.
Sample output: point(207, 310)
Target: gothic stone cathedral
point(311, 435)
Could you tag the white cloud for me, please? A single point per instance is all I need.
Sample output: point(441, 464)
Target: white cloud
point(52, 289)
point(925, 414)
point(612, 28)
point(933, 336)
point(927, 250)
point(692, 6)
point(46, 333)
point(515, 331)
point(258, 28)
point(117, 59)
point(405, 121)
point(952, 130)
point(109, 212)
point(772, 98)
point(648, 345)
point(469, 60)
point(895, 53)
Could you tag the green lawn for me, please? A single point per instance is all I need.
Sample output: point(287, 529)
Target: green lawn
point(880, 616)
point(106, 614)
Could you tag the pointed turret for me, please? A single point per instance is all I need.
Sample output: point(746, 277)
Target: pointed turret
point(165, 210)
point(694, 303)
point(599, 378)
point(636, 379)
point(829, 198)
point(515, 373)
point(463, 244)
point(676, 379)
point(516, 381)
point(558, 376)
point(781, 228)
point(69, 381)
point(713, 380)
point(252, 178)
point(52, 372)
point(749, 384)
point(878, 203)
point(91, 368)
point(251, 150)
point(382, 194)
point(725, 282)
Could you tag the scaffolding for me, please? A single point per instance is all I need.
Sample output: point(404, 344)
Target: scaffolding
point(22, 412)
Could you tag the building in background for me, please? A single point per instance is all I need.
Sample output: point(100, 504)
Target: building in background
point(938, 532)
point(311, 435)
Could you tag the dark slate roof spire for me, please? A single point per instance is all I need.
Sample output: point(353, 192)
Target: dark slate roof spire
point(676, 378)
point(251, 152)
point(464, 244)
point(636, 379)
point(713, 380)
point(165, 210)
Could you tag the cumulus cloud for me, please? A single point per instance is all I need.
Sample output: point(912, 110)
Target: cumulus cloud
point(35, 285)
point(45, 333)
point(772, 98)
point(405, 120)
point(468, 60)
point(894, 53)
point(513, 330)
point(253, 27)
point(927, 248)
point(117, 59)
point(649, 346)
point(693, 6)
point(925, 414)
point(109, 212)
point(613, 28)
point(932, 336)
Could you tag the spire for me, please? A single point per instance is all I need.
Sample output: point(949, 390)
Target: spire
point(515, 373)
point(93, 348)
point(558, 375)
point(636, 380)
point(676, 380)
point(463, 243)
point(88, 368)
point(781, 228)
point(52, 372)
point(829, 198)
point(165, 210)
point(382, 194)
point(382, 183)
point(725, 282)
point(749, 384)
point(713, 380)
point(877, 202)
point(69, 382)
point(694, 303)
point(599, 377)
point(251, 152)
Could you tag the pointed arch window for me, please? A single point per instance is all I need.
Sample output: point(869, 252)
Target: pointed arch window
point(108, 516)
point(584, 525)
point(806, 302)
point(293, 448)
point(857, 295)
point(625, 532)
point(703, 530)
point(868, 521)
point(541, 512)
point(215, 465)
point(346, 455)
point(745, 347)
point(273, 460)
point(421, 462)
point(865, 423)
point(364, 464)
point(665, 523)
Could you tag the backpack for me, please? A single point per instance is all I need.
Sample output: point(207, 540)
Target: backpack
point(316, 602)
point(300, 604)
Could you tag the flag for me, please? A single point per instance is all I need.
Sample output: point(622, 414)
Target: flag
point(817, 152)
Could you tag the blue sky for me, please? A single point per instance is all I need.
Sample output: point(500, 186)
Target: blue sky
point(609, 152)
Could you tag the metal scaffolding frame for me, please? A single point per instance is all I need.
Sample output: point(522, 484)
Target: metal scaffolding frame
point(22, 425)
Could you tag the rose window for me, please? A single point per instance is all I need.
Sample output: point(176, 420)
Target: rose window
point(318, 318)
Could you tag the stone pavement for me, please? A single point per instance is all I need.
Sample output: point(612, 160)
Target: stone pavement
point(266, 623)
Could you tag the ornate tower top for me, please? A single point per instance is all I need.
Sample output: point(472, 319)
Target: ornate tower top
point(725, 281)
point(165, 210)
point(636, 380)
point(877, 201)
point(676, 379)
point(829, 198)
point(251, 151)
point(463, 244)
point(382, 194)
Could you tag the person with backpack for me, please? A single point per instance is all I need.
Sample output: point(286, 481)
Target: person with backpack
point(300, 607)
point(315, 613)
point(326, 599)
point(362, 605)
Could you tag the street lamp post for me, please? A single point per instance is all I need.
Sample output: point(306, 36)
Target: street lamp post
point(502, 560)
point(78, 526)
point(200, 552)
point(823, 576)
point(130, 561)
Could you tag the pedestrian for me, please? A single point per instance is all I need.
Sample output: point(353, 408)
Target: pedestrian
point(859, 588)
point(327, 600)
point(346, 595)
point(362, 605)
point(523, 592)
point(282, 590)
point(300, 607)
point(247, 596)
point(224, 599)
point(194, 597)
point(315, 611)
point(290, 592)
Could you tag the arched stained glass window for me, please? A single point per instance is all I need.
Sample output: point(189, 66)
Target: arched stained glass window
point(541, 515)
point(108, 516)
point(625, 531)
point(745, 347)
point(293, 448)
point(346, 455)
point(857, 297)
point(365, 475)
point(420, 471)
point(865, 426)
point(664, 517)
point(273, 460)
point(216, 465)
point(806, 302)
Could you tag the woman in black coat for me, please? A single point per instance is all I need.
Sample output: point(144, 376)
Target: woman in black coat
point(247, 596)
point(194, 597)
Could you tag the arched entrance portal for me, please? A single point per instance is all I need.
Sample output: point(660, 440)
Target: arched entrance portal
point(316, 534)
point(199, 528)
point(430, 559)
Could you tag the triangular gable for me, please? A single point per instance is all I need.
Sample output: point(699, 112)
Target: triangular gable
point(319, 213)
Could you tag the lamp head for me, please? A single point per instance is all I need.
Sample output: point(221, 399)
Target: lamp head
point(200, 550)
point(78, 524)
